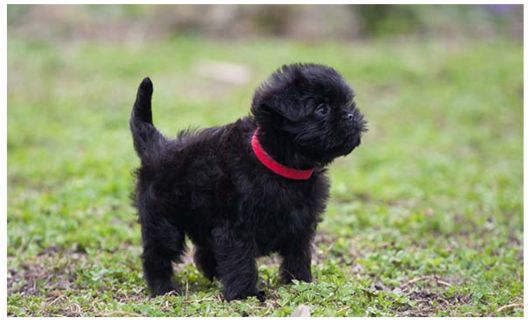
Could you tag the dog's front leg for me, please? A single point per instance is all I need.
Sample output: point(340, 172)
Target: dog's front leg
point(236, 265)
point(296, 264)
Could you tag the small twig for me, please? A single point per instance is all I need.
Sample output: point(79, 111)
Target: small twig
point(510, 306)
point(201, 300)
point(427, 277)
point(57, 299)
point(444, 283)
point(220, 298)
point(76, 309)
point(447, 303)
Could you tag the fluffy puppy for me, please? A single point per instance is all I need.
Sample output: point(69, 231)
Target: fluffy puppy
point(245, 189)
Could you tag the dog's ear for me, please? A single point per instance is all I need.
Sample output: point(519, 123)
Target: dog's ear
point(288, 106)
point(282, 95)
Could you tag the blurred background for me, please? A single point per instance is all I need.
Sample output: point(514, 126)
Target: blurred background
point(300, 22)
point(435, 188)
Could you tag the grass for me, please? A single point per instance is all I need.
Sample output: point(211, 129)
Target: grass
point(425, 218)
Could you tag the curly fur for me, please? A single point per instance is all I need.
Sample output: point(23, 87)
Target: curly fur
point(208, 185)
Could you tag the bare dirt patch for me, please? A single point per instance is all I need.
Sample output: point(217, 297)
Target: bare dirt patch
point(427, 295)
point(51, 269)
point(429, 303)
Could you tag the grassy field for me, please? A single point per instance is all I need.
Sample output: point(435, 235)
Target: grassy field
point(425, 218)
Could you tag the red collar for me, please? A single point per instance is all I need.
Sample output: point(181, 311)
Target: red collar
point(274, 166)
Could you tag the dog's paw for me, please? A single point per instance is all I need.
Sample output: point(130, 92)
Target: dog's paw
point(260, 295)
point(167, 290)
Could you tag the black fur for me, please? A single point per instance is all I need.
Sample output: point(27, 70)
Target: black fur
point(209, 186)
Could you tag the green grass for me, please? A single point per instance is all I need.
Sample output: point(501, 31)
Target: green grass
point(425, 218)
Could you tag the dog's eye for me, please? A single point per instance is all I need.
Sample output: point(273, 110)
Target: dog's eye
point(322, 109)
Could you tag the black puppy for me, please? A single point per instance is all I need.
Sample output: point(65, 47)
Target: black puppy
point(244, 189)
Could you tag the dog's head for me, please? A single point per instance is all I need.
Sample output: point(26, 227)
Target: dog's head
point(313, 107)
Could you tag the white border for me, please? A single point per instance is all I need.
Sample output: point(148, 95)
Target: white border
point(3, 160)
point(143, 320)
point(271, 2)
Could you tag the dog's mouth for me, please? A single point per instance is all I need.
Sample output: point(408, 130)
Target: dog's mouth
point(341, 148)
point(351, 141)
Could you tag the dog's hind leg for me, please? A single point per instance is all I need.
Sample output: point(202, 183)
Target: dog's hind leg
point(204, 259)
point(163, 243)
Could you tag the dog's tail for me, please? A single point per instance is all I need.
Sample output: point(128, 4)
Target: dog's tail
point(146, 137)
